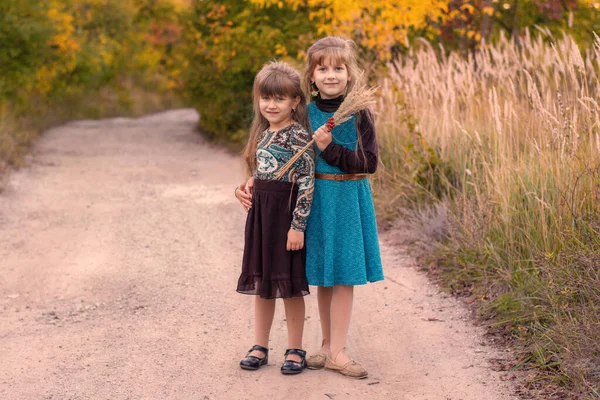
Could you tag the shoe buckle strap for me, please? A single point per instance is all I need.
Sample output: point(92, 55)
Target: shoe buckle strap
point(299, 352)
point(259, 348)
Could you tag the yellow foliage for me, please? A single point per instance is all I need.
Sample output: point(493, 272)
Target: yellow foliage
point(64, 39)
point(281, 50)
point(488, 10)
point(377, 25)
point(79, 39)
point(180, 4)
point(468, 7)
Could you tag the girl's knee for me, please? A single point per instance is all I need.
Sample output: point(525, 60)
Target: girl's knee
point(294, 300)
point(343, 288)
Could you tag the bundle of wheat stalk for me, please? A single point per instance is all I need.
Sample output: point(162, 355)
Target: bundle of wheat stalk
point(361, 97)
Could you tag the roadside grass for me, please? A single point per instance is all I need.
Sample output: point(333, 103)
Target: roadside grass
point(507, 144)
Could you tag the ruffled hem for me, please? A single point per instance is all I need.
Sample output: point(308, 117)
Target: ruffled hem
point(273, 289)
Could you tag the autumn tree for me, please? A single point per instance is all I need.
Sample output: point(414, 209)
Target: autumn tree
point(379, 27)
point(59, 49)
point(228, 41)
point(467, 22)
point(62, 59)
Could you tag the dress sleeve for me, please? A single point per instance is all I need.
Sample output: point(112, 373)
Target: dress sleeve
point(353, 162)
point(304, 175)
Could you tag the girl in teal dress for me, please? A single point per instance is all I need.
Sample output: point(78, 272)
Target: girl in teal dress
point(342, 246)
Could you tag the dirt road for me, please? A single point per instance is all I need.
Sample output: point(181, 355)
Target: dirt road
point(120, 246)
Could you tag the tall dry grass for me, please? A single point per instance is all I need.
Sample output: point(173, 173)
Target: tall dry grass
point(507, 142)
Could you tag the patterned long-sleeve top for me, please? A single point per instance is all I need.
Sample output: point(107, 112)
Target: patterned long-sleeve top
point(277, 148)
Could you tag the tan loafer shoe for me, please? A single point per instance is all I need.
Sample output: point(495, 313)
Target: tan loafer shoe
point(316, 361)
point(351, 369)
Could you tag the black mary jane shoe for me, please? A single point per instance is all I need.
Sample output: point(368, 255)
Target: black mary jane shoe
point(291, 367)
point(252, 362)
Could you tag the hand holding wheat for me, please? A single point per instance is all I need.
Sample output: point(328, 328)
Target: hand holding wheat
point(360, 98)
point(323, 137)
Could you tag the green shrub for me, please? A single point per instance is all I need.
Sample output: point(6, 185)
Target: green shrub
point(228, 41)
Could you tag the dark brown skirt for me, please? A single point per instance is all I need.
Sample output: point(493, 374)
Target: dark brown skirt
point(268, 269)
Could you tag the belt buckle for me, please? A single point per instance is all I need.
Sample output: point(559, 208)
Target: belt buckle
point(339, 177)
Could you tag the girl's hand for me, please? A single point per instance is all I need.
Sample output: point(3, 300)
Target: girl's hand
point(295, 240)
point(249, 187)
point(243, 197)
point(323, 137)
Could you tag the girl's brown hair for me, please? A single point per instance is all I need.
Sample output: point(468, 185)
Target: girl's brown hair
point(274, 79)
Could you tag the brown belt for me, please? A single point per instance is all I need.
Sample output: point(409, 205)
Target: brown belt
point(341, 177)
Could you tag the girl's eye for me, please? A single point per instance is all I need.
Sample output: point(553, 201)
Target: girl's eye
point(280, 99)
point(339, 68)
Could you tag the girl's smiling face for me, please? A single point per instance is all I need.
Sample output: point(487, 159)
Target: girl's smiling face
point(277, 109)
point(331, 79)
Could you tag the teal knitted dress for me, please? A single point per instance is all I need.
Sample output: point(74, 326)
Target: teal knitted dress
point(342, 246)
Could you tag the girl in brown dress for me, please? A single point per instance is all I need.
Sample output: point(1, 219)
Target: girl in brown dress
point(274, 256)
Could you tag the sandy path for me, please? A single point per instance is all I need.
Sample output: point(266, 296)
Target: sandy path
point(119, 253)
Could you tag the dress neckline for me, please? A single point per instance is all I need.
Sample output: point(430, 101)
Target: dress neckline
point(329, 105)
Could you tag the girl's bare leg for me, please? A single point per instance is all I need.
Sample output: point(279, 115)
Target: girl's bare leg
point(324, 300)
point(294, 314)
point(264, 310)
point(340, 312)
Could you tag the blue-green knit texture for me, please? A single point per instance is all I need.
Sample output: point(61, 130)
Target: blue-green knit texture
point(342, 246)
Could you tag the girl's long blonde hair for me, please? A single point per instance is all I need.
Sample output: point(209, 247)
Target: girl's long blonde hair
point(274, 79)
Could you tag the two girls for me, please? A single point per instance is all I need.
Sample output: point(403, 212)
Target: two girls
point(342, 247)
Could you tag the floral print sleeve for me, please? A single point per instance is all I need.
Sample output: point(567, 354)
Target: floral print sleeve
point(304, 174)
point(274, 150)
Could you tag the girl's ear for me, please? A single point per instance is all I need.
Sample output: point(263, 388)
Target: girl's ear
point(296, 102)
